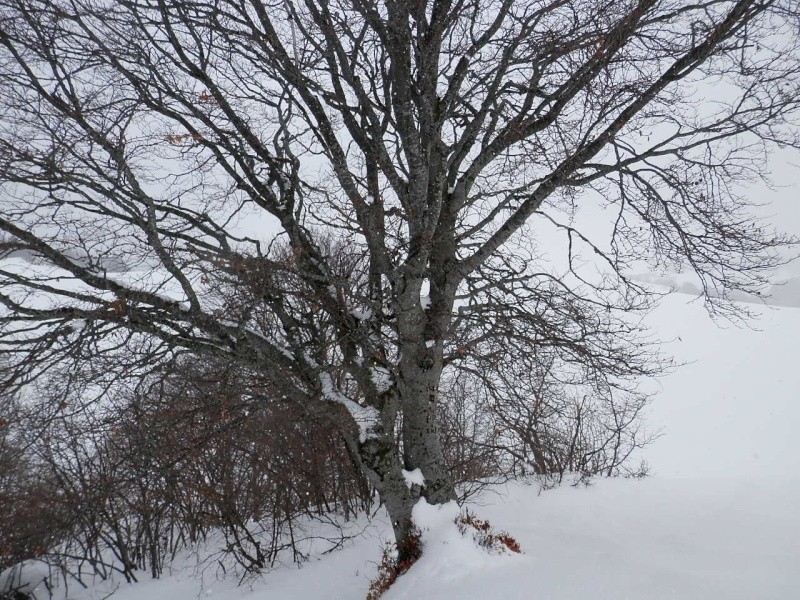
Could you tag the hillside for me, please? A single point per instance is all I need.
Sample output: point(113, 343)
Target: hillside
point(717, 519)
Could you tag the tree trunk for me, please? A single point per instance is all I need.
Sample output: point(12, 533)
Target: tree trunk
point(384, 470)
point(422, 448)
point(381, 462)
point(419, 372)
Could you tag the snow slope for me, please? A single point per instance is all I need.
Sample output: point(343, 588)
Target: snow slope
point(733, 409)
point(718, 520)
point(649, 539)
point(646, 539)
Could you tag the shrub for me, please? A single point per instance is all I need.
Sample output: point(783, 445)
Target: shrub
point(496, 542)
point(392, 566)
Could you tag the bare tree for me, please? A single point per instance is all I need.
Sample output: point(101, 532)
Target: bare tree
point(406, 152)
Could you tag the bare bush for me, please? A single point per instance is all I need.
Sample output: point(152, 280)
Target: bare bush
point(31, 519)
point(197, 452)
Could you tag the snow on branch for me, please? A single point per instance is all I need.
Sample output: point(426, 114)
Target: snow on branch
point(365, 416)
point(414, 477)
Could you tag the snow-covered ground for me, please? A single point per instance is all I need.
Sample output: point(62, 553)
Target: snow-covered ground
point(649, 539)
point(733, 409)
point(717, 520)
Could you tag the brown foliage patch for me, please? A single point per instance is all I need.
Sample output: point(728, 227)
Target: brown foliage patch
point(393, 564)
point(483, 534)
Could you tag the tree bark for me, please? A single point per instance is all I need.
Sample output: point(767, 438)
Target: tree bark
point(422, 448)
point(384, 470)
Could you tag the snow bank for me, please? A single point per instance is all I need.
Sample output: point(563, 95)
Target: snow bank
point(649, 540)
point(451, 562)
